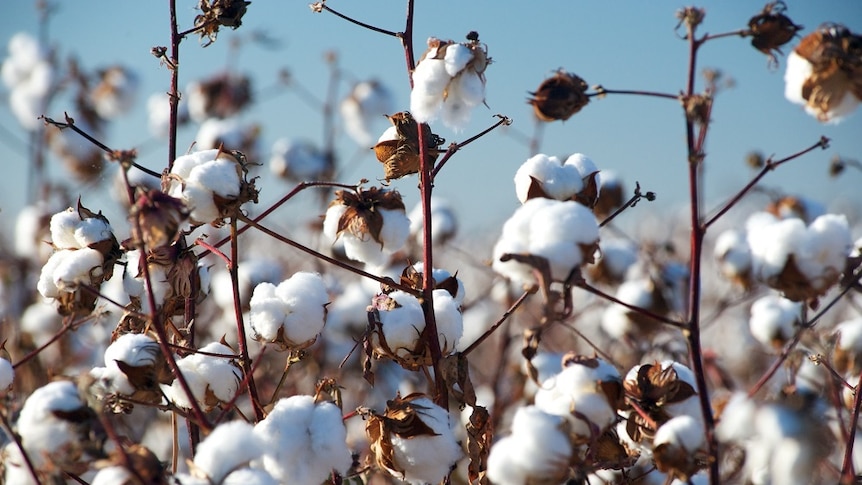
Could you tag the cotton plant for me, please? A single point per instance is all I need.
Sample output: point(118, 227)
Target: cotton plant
point(212, 184)
point(291, 314)
point(823, 71)
point(298, 160)
point(304, 441)
point(549, 177)
point(53, 427)
point(366, 103)
point(538, 450)
point(800, 261)
point(414, 440)
point(449, 81)
point(85, 250)
point(371, 223)
point(29, 76)
point(564, 234)
point(212, 379)
point(774, 320)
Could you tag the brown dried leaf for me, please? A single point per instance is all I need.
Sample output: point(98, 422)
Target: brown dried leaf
point(480, 434)
point(456, 373)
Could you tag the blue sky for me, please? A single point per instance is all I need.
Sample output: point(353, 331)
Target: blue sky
point(621, 45)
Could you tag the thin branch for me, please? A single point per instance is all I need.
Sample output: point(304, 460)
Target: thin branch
point(735, 33)
point(67, 326)
point(643, 311)
point(454, 147)
point(650, 196)
point(321, 6)
point(499, 322)
point(174, 93)
point(601, 91)
point(848, 475)
point(767, 167)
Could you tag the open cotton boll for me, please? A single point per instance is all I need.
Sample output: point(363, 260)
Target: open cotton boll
point(292, 313)
point(211, 379)
point(219, 176)
point(428, 458)
point(249, 476)
point(63, 226)
point(429, 82)
point(113, 475)
point(92, 230)
point(582, 163)
point(230, 446)
point(827, 246)
point(557, 180)
point(393, 235)
point(537, 451)
point(43, 434)
point(216, 131)
point(440, 275)
point(456, 58)
point(774, 320)
point(771, 244)
point(733, 253)
point(297, 160)
point(798, 70)
point(403, 324)
point(450, 322)
point(682, 432)
point(76, 267)
point(736, 422)
point(134, 350)
point(616, 321)
point(367, 103)
point(303, 441)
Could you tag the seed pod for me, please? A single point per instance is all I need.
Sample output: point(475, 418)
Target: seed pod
point(559, 97)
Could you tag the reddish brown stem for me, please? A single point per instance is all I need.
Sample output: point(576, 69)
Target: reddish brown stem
point(848, 475)
point(174, 93)
point(499, 322)
point(454, 147)
point(643, 311)
point(244, 360)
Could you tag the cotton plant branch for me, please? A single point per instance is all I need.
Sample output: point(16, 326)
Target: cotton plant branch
point(493, 328)
point(454, 147)
point(650, 196)
point(68, 325)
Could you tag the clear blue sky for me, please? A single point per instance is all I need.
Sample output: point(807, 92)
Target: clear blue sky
point(621, 45)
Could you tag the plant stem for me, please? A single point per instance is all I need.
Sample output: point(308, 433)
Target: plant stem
point(454, 147)
point(174, 95)
point(499, 322)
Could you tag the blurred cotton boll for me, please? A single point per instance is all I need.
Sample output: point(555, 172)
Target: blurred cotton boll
point(444, 223)
point(159, 111)
point(298, 160)
point(774, 320)
point(115, 93)
point(366, 104)
point(29, 75)
point(231, 446)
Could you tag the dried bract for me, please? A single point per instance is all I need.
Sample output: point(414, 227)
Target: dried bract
point(398, 147)
point(159, 216)
point(771, 29)
point(216, 13)
point(559, 97)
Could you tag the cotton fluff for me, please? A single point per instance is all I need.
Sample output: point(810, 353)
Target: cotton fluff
point(575, 394)
point(7, 375)
point(733, 254)
point(444, 224)
point(682, 433)
point(796, 76)
point(132, 349)
point(200, 176)
point(774, 320)
point(558, 231)
point(44, 436)
point(449, 321)
point(211, 379)
point(393, 235)
point(402, 325)
point(303, 441)
point(66, 269)
point(537, 451)
point(448, 81)
point(556, 179)
point(366, 104)
point(297, 160)
point(28, 74)
point(115, 93)
point(113, 475)
point(819, 251)
point(428, 458)
point(230, 446)
point(292, 313)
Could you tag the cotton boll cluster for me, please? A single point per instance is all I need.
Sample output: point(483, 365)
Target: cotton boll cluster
point(367, 102)
point(298, 160)
point(801, 262)
point(586, 392)
point(549, 177)
point(212, 379)
point(414, 440)
point(304, 441)
point(85, 252)
point(115, 93)
point(210, 183)
point(565, 234)
point(444, 223)
point(291, 314)
point(537, 451)
point(29, 76)
point(823, 73)
point(52, 426)
point(774, 320)
point(372, 223)
point(449, 81)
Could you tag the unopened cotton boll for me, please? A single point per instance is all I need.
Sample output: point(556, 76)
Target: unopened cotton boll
point(537, 451)
point(304, 442)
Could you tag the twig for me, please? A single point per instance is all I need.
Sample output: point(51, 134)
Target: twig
point(499, 322)
point(601, 91)
point(650, 196)
point(643, 311)
point(848, 475)
point(454, 147)
point(321, 6)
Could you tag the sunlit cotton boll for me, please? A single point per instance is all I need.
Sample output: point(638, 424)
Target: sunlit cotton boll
point(564, 233)
point(211, 379)
point(304, 441)
point(133, 350)
point(537, 451)
point(558, 180)
point(574, 394)
point(230, 446)
point(45, 436)
point(198, 177)
point(291, 314)
point(366, 104)
point(393, 235)
point(424, 458)
point(774, 320)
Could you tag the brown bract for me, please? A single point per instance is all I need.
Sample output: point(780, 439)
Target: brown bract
point(160, 216)
point(771, 29)
point(400, 156)
point(402, 418)
point(559, 97)
point(835, 55)
point(362, 217)
point(216, 13)
point(651, 390)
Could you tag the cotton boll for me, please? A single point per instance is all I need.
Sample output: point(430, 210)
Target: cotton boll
point(229, 446)
point(733, 253)
point(215, 131)
point(205, 375)
point(297, 160)
point(77, 267)
point(402, 326)
point(7, 375)
point(774, 320)
point(304, 441)
point(219, 176)
point(583, 164)
point(428, 458)
point(450, 323)
point(737, 419)
point(444, 223)
point(456, 58)
point(92, 230)
point(615, 319)
point(113, 475)
point(115, 94)
point(798, 70)
point(133, 350)
point(46, 285)
point(63, 226)
point(682, 432)
point(537, 450)
point(430, 79)
point(827, 247)
point(367, 103)
point(558, 181)
point(43, 434)
point(249, 476)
